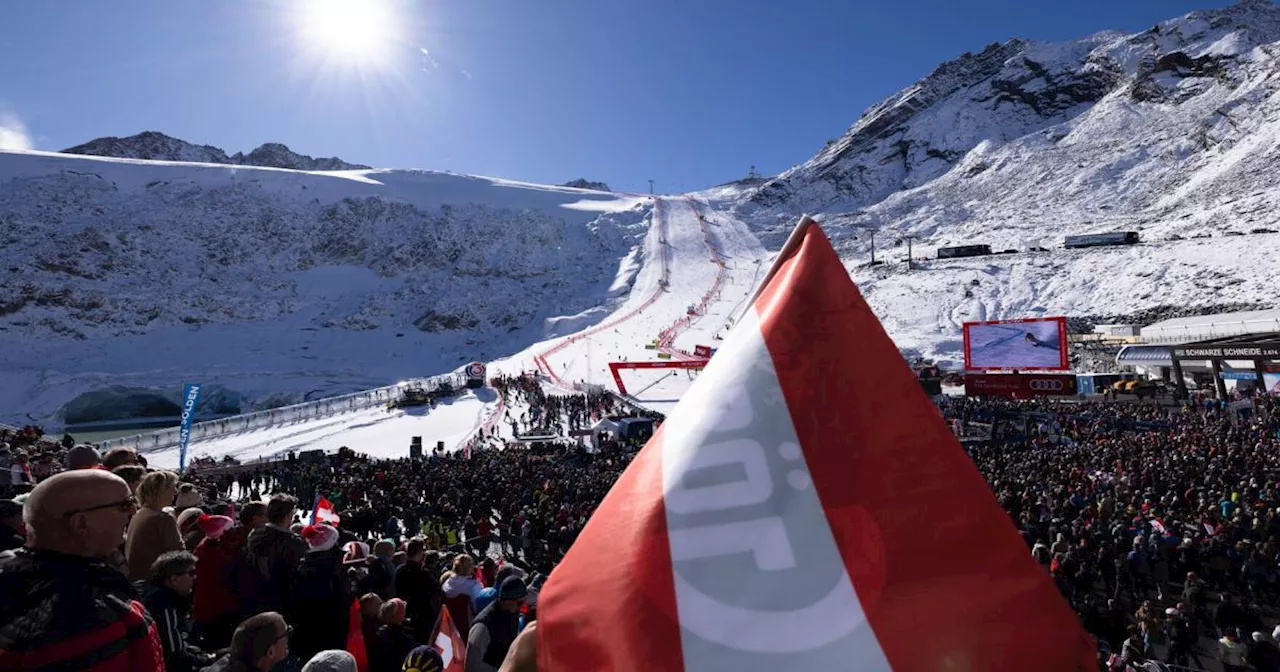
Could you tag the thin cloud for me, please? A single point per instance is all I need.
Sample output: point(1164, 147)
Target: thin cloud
point(431, 63)
point(13, 133)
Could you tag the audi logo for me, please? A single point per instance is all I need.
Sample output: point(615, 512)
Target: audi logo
point(1046, 385)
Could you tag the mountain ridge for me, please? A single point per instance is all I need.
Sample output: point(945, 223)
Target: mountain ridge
point(156, 146)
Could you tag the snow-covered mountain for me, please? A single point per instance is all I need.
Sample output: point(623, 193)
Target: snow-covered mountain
point(277, 283)
point(583, 183)
point(153, 146)
point(1172, 132)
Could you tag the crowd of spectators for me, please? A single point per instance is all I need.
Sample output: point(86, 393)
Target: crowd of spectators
point(1159, 523)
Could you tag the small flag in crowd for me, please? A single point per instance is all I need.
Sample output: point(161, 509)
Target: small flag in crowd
point(804, 508)
point(450, 643)
point(355, 638)
point(324, 513)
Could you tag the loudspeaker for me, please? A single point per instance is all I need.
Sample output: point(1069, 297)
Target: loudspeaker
point(440, 446)
point(415, 451)
point(416, 441)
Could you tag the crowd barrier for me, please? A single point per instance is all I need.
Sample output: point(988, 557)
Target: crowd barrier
point(310, 410)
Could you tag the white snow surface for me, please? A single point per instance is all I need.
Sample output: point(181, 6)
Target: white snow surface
point(278, 283)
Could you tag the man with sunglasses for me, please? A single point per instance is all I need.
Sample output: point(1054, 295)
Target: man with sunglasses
point(167, 596)
point(64, 607)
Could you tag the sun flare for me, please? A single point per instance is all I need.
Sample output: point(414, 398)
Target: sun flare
point(348, 32)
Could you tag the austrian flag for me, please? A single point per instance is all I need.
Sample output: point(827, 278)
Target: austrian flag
point(324, 513)
point(804, 508)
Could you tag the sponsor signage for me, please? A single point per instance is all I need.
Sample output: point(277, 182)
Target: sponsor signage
point(1239, 375)
point(1019, 384)
point(1259, 351)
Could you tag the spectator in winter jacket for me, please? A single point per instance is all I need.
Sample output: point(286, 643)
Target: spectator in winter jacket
point(370, 615)
point(1233, 652)
point(13, 533)
point(167, 597)
point(463, 581)
point(382, 571)
point(152, 531)
point(216, 609)
point(494, 629)
point(59, 589)
point(272, 555)
point(1263, 655)
point(318, 599)
point(418, 586)
point(259, 644)
point(393, 641)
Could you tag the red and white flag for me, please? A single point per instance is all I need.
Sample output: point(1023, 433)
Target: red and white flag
point(324, 513)
point(804, 508)
point(451, 644)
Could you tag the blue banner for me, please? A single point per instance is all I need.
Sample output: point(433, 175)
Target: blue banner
point(190, 395)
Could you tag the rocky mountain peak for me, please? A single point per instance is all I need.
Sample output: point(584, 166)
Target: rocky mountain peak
point(155, 146)
point(583, 183)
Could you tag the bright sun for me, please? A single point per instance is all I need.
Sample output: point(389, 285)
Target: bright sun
point(349, 32)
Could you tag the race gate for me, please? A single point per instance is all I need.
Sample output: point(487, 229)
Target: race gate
point(615, 368)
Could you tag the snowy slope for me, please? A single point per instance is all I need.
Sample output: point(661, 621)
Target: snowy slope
point(1172, 132)
point(279, 284)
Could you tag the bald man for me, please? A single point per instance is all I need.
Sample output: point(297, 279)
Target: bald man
point(69, 608)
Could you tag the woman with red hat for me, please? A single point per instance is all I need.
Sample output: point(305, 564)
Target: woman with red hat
point(216, 608)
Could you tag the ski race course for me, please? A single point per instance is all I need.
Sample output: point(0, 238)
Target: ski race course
point(698, 269)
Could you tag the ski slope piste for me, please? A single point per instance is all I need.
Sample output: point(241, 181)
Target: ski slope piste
point(697, 269)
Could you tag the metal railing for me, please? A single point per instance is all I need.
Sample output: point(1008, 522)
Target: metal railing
point(310, 410)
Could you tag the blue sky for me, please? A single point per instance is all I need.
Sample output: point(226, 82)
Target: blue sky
point(689, 93)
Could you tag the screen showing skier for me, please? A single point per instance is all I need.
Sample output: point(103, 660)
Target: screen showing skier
point(1024, 345)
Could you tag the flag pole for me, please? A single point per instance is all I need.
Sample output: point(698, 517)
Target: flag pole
point(793, 241)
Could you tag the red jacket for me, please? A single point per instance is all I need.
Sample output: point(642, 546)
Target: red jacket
point(69, 613)
point(214, 591)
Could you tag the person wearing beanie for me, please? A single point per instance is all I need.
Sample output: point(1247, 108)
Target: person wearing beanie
point(333, 660)
point(187, 527)
point(215, 608)
point(318, 599)
point(423, 659)
point(496, 627)
point(83, 456)
point(393, 641)
point(188, 496)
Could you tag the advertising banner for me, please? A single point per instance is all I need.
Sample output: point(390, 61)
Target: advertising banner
point(190, 396)
point(1019, 384)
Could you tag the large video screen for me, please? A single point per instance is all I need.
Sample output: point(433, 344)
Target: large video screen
point(1026, 345)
